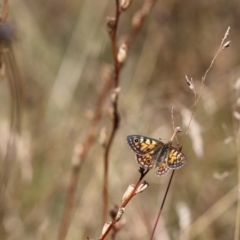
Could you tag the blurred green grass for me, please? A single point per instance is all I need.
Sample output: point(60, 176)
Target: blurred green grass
point(61, 49)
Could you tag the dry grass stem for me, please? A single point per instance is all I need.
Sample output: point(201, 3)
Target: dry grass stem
point(85, 147)
point(89, 139)
point(176, 131)
point(115, 115)
point(138, 20)
point(237, 146)
point(119, 56)
point(5, 11)
point(198, 97)
point(128, 195)
point(223, 45)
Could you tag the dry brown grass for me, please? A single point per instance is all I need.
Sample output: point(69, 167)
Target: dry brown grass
point(64, 56)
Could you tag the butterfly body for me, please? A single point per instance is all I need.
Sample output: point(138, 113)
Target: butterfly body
point(151, 153)
point(160, 154)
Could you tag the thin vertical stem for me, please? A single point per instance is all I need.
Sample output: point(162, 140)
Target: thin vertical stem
point(115, 116)
point(197, 99)
point(162, 205)
point(125, 202)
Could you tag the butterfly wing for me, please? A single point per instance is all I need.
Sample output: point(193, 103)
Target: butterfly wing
point(145, 161)
point(176, 159)
point(163, 168)
point(151, 152)
point(142, 145)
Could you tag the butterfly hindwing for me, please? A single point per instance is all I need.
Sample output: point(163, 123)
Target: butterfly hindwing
point(145, 161)
point(142, 145)
point(163, 168)
point(176, 159)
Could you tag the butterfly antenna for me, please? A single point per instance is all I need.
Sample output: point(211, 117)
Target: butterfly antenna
point(162, 139)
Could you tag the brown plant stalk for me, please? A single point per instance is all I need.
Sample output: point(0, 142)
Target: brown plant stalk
point(76, 168)
point(236, 128)
point(125, 202)
point(115, 116)
point(90, 137)
point(9, 67)
point(9, 71)
point(5, 11)
point(138, 21)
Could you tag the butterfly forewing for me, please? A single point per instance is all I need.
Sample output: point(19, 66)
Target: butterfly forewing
point(143, 145)
point(176, 159)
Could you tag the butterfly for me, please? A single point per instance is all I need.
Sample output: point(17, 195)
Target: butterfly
point(151, 153)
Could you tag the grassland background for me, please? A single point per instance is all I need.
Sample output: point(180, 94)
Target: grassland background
point(62, 51)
